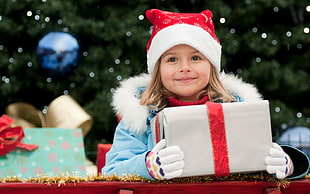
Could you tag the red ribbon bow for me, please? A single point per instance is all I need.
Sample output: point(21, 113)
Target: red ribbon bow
point(11, 137)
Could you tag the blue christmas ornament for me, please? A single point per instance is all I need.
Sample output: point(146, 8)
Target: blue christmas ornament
point(58, 53)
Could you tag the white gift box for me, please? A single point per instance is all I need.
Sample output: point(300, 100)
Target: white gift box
point(217, 138)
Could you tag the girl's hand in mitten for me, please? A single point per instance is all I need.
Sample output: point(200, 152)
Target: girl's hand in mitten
point(278, 162)
point(165, 162)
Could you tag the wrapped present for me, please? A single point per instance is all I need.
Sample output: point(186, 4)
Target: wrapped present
point(28, 116)
point(217, 138)
point(59, 152)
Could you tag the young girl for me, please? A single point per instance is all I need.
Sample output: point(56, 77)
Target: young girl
point(183, 58)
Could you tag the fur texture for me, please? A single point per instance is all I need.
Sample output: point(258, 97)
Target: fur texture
point(127, 105)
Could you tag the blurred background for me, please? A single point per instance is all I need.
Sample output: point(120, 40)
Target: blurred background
point(265, 42)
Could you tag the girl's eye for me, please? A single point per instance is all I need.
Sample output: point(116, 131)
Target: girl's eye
point(172, 59)
point(195, 58)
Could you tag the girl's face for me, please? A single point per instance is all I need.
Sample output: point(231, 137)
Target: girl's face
point(185, 72)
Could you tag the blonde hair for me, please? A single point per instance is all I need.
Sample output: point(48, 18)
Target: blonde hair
point(155, 95)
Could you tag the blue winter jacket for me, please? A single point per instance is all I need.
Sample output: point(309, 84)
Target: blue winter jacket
point(128, 153)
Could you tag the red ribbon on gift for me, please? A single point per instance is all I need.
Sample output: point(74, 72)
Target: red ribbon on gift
point(218, 139)
point(11, 137)
point(157, 129)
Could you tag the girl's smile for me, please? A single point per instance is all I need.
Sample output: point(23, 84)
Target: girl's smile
point(185, 79)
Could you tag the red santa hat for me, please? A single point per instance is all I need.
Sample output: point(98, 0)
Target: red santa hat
point(171, 29)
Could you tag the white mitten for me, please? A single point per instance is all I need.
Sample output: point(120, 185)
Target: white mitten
point(278, 162)
point(165, 162)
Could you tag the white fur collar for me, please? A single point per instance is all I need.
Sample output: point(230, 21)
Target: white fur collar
point(134, 116)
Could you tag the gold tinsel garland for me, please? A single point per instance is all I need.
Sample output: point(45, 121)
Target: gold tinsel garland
point(64, 179)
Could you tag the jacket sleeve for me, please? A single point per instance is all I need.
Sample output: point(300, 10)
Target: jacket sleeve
point(300, 161)
point(127, 154)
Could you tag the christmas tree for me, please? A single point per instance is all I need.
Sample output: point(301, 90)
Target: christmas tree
point(264, 42)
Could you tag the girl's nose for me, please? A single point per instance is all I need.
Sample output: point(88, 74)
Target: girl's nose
point(185, 66)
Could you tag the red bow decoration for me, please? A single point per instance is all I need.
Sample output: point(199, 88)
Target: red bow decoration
point(11, 137)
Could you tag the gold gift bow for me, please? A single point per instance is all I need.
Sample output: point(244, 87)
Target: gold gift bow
point(63, 112)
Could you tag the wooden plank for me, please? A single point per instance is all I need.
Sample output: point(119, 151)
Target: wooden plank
point(240, 187)
point(125, 191)
point(122, 187)
point(298, 187)
point(273, 190)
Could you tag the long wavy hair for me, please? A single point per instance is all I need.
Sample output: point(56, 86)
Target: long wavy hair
point(155, 95)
